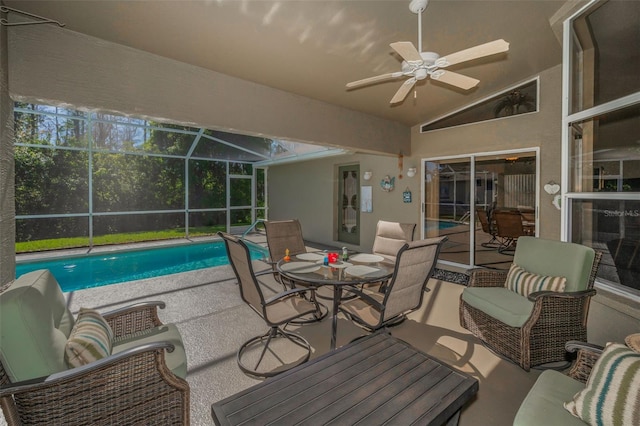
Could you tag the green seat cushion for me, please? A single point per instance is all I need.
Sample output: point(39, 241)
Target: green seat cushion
point(543, 405)
point(176, 360)
point(612, 394)
point(556, 258)
point(501, 303)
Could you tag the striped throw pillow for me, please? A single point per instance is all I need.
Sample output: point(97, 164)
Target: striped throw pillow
point(525, 283)
point(612, 393)
point(90, 339)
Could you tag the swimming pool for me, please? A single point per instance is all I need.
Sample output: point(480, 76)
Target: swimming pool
point(95, 270)
point(433, 224)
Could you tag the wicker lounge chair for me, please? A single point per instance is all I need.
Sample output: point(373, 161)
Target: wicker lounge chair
point(532, 330)
point(413, 268)
point(277, 310)
point(141, 382)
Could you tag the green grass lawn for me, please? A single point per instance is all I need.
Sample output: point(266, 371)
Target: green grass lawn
point(124, 238)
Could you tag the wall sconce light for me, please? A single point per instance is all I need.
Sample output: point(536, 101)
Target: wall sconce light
point(367, 175)
point(411, 172)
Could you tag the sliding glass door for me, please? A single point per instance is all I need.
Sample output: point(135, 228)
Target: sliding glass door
point(467, 198)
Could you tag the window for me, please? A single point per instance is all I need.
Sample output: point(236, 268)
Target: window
point(601, 138)
point(521, 99)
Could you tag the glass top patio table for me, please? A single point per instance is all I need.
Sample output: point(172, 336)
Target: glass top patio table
point(339, 274)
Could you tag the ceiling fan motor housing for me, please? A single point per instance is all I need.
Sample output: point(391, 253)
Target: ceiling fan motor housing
point(421, 70)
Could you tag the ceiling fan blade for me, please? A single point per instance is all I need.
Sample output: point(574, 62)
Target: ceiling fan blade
point(455, 79)
point(403, 91)
point(407, 50)
point(372, 80)
point(491, 48)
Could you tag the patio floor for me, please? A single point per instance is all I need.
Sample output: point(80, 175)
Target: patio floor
point(214, 322)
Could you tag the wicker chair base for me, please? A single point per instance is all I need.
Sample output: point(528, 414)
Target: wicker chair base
point(544, 343)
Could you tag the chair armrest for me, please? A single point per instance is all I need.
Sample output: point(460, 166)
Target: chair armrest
point(129, 387)
point(480, 277)
point(284, 294)
point(565, 295)
point(82, 371)
point(587, 356)
point(134, 318)
point(364, 296)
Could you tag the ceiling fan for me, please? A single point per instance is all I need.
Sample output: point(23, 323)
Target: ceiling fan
point(418, 65)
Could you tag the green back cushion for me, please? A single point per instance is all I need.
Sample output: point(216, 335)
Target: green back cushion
point(612, 393)
point(34, 325)
point(556, 258)
point(90, 340)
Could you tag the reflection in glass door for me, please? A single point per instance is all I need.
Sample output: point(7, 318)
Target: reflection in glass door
point(349, 204)
point(481, 202)
point(448, 193)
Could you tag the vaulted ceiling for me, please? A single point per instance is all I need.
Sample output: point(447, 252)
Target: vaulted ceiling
point(313, 48)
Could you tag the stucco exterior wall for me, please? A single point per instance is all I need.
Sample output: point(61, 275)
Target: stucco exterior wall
point(308, 191)
point(541, 129)
point(311, 200)
point(55, 65)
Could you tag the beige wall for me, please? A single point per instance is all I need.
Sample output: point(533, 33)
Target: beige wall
point(55, 65)
point(307, 191)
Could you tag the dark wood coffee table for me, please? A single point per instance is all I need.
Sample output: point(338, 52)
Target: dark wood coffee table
point(375, 380)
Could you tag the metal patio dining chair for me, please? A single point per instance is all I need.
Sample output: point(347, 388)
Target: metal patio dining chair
point(404, 293)
point(489, 227)
point(285, 236)
point(277, 311)
point(390, 237)
point(509, 229)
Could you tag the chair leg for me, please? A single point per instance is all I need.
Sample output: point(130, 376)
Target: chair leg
point(318, 315)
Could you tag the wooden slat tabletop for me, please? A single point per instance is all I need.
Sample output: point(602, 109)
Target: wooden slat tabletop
point(375, 380)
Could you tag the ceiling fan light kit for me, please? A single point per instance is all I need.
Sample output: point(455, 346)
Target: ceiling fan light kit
point(418, 65)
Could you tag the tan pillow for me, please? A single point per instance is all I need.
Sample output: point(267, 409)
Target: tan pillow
point(525, 283)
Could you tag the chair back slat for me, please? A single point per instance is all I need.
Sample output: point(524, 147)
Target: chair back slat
point(390, 237)
point(240, 260)
point(283, 235)
point(483, 217)
point(509, 224)
point(414, 266)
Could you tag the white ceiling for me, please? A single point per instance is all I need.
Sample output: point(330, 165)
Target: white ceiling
point(313, 48)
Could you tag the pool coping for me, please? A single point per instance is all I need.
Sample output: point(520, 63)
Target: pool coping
point(84, 251)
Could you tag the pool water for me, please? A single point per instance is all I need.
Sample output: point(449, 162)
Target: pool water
point(95, 270)
point(440, 224)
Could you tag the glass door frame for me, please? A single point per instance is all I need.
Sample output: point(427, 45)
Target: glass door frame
point(472, 158)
